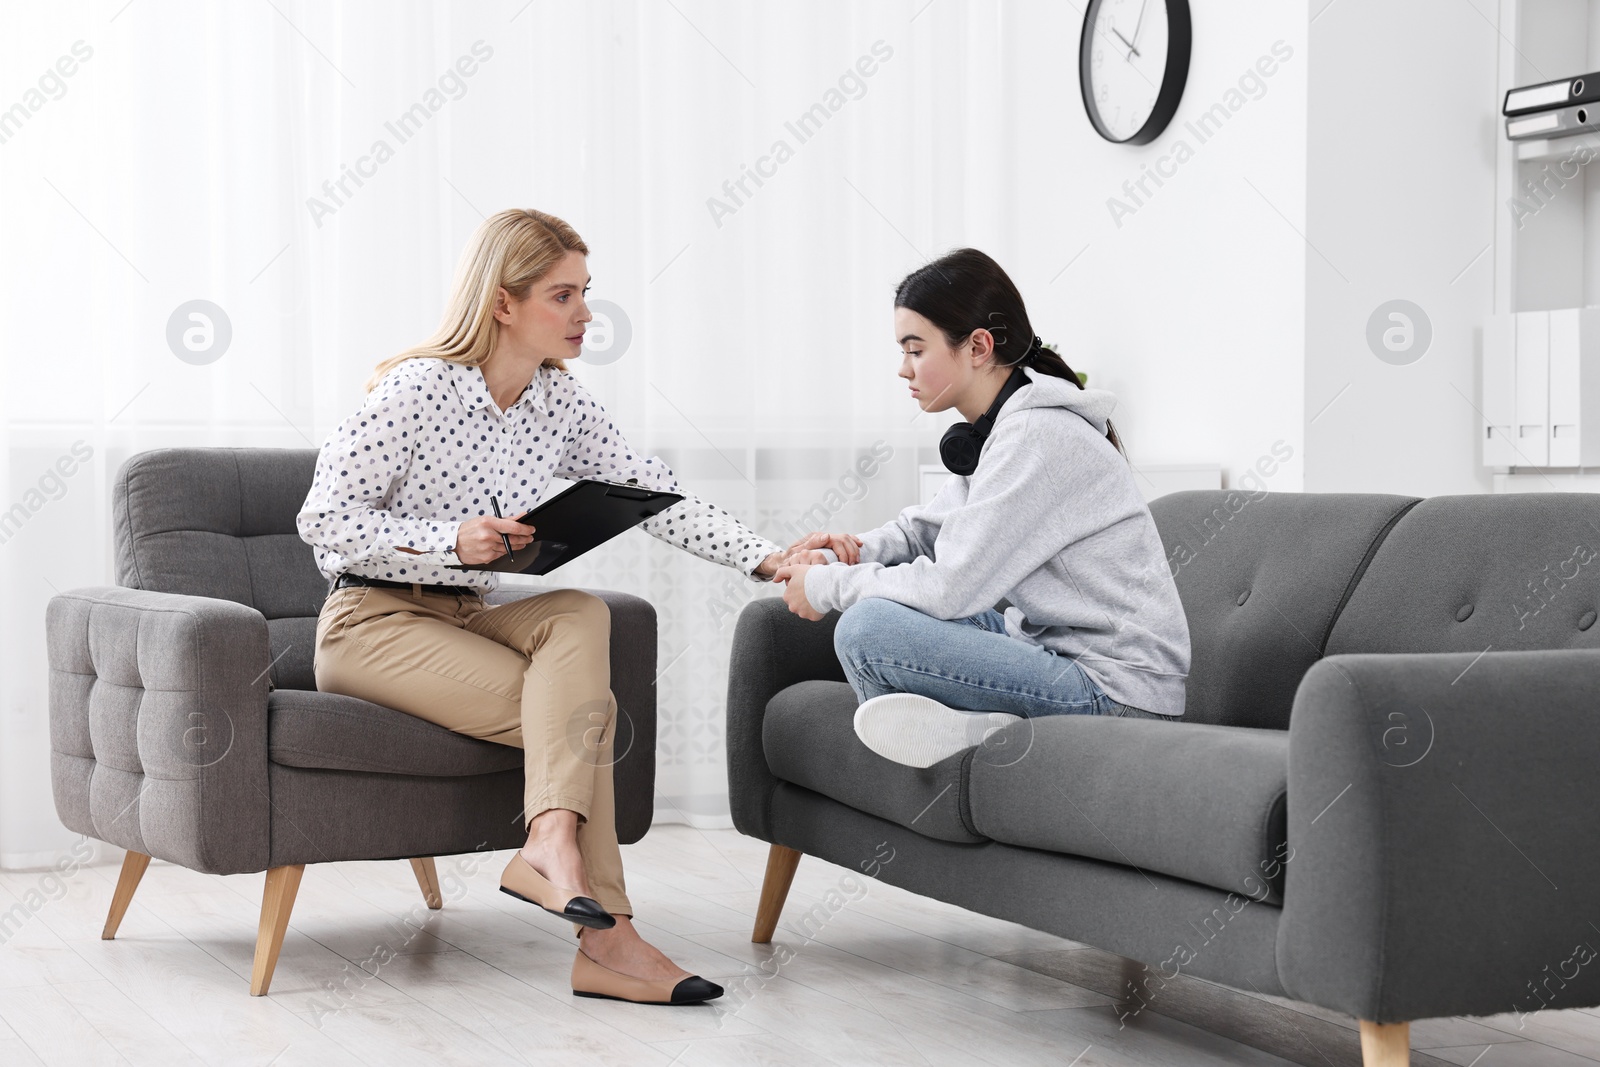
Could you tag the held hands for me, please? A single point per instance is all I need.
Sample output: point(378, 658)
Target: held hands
point(809, 550)
point(478, 540)
point(801, 557)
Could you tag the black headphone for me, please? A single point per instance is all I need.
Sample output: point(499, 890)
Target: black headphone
point(961, 443)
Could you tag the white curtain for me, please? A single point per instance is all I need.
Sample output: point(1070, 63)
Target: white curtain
point(313, 169)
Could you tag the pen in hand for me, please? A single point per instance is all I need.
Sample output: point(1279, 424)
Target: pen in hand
point(494, 502)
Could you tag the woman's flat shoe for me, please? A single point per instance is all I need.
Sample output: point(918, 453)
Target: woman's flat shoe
point(523, 882)
point(591, 979)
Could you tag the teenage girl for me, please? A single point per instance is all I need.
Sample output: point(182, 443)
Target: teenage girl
point(1041, 510)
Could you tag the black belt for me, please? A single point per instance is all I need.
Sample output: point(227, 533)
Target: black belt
point(344, 581)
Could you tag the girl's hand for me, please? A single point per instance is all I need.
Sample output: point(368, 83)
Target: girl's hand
point(846, 546)
point(478, 540)
point(794, 593)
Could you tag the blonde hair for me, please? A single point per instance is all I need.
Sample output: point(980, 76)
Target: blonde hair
point(512, 249)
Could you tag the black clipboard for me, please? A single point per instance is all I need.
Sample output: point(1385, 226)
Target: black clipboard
point(584, 515)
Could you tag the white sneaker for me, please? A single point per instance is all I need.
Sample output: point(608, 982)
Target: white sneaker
point(919, 731)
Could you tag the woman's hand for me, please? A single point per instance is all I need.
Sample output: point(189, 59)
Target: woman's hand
point(478, 540)
point(846, 546)
point(794, 593)
point(808, 550)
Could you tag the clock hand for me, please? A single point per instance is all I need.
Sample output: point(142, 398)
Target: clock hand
point(1139, 23)
point(1132, 51)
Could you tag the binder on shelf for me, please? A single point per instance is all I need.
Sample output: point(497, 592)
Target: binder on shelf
point(1530, 433)
point(1556, 122)
point(1584, 89)
point(1541, 389)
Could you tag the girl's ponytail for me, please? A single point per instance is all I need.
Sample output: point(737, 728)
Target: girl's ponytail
point(965, 290)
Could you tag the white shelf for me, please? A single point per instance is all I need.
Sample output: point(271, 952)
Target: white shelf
point(1540, 395)
point(1547, 236)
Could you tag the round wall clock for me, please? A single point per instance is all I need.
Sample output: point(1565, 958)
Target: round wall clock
point(1133, 59)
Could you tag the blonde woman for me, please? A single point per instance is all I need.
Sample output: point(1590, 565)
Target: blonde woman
point(486, 408)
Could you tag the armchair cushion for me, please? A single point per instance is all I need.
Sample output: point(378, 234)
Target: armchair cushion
point(294, 645)
point(219, 522)
point(331, 732)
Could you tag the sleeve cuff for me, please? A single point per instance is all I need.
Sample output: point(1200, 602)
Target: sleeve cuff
point(761, 554)
point(432, 542)
point(824, 586)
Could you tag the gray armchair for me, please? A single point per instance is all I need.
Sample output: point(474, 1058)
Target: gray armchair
point(186, 725)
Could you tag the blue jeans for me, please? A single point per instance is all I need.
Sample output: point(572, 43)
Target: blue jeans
point(971, 663)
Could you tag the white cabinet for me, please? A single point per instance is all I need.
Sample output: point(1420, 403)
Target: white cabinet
point(1541, 389)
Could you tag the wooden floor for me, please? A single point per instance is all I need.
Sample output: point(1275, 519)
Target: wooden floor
point(369, 975)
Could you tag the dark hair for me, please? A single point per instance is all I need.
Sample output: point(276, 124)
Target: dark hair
point(965, 290)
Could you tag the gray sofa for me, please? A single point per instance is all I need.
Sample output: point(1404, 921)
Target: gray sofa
point(186, 725)
point(1383, 799)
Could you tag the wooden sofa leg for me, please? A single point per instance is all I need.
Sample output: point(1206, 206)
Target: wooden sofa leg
point(781, 863)
point(277, 901)
point(133, 865)
point(1385, 1044)
point(428, 878)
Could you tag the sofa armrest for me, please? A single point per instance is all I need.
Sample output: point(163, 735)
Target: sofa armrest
point(772, 649)
point(1443, 815)
point(633, 683)
point(158, 724)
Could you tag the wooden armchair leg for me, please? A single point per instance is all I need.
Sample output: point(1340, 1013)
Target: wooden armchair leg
point(277, 901)
point(1385, 1044)
point(781, 864)
point(428, 878)
point(133, 865)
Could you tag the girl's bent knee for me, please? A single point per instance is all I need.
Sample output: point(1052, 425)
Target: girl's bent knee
point(866, 623)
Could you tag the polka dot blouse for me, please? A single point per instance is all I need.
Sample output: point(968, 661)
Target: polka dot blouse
point(430, 447)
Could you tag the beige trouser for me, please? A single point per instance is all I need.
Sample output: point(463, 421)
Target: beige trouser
point(535, 674)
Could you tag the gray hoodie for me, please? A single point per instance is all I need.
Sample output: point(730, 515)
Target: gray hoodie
point(1051, 521)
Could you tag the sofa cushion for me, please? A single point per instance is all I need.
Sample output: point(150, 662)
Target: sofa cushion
point(809, 739)
point(1515, 572)
point(327, 731)
point(1262, 577)
point(1195, 801)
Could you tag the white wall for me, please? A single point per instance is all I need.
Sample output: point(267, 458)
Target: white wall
point(1403, 114)
point(1192, 309)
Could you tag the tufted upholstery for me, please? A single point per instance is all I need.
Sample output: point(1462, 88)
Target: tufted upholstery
point(169, 739)
point(1462, 573)
point(1262, 578)
point(219, 522)
point(158, 725)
